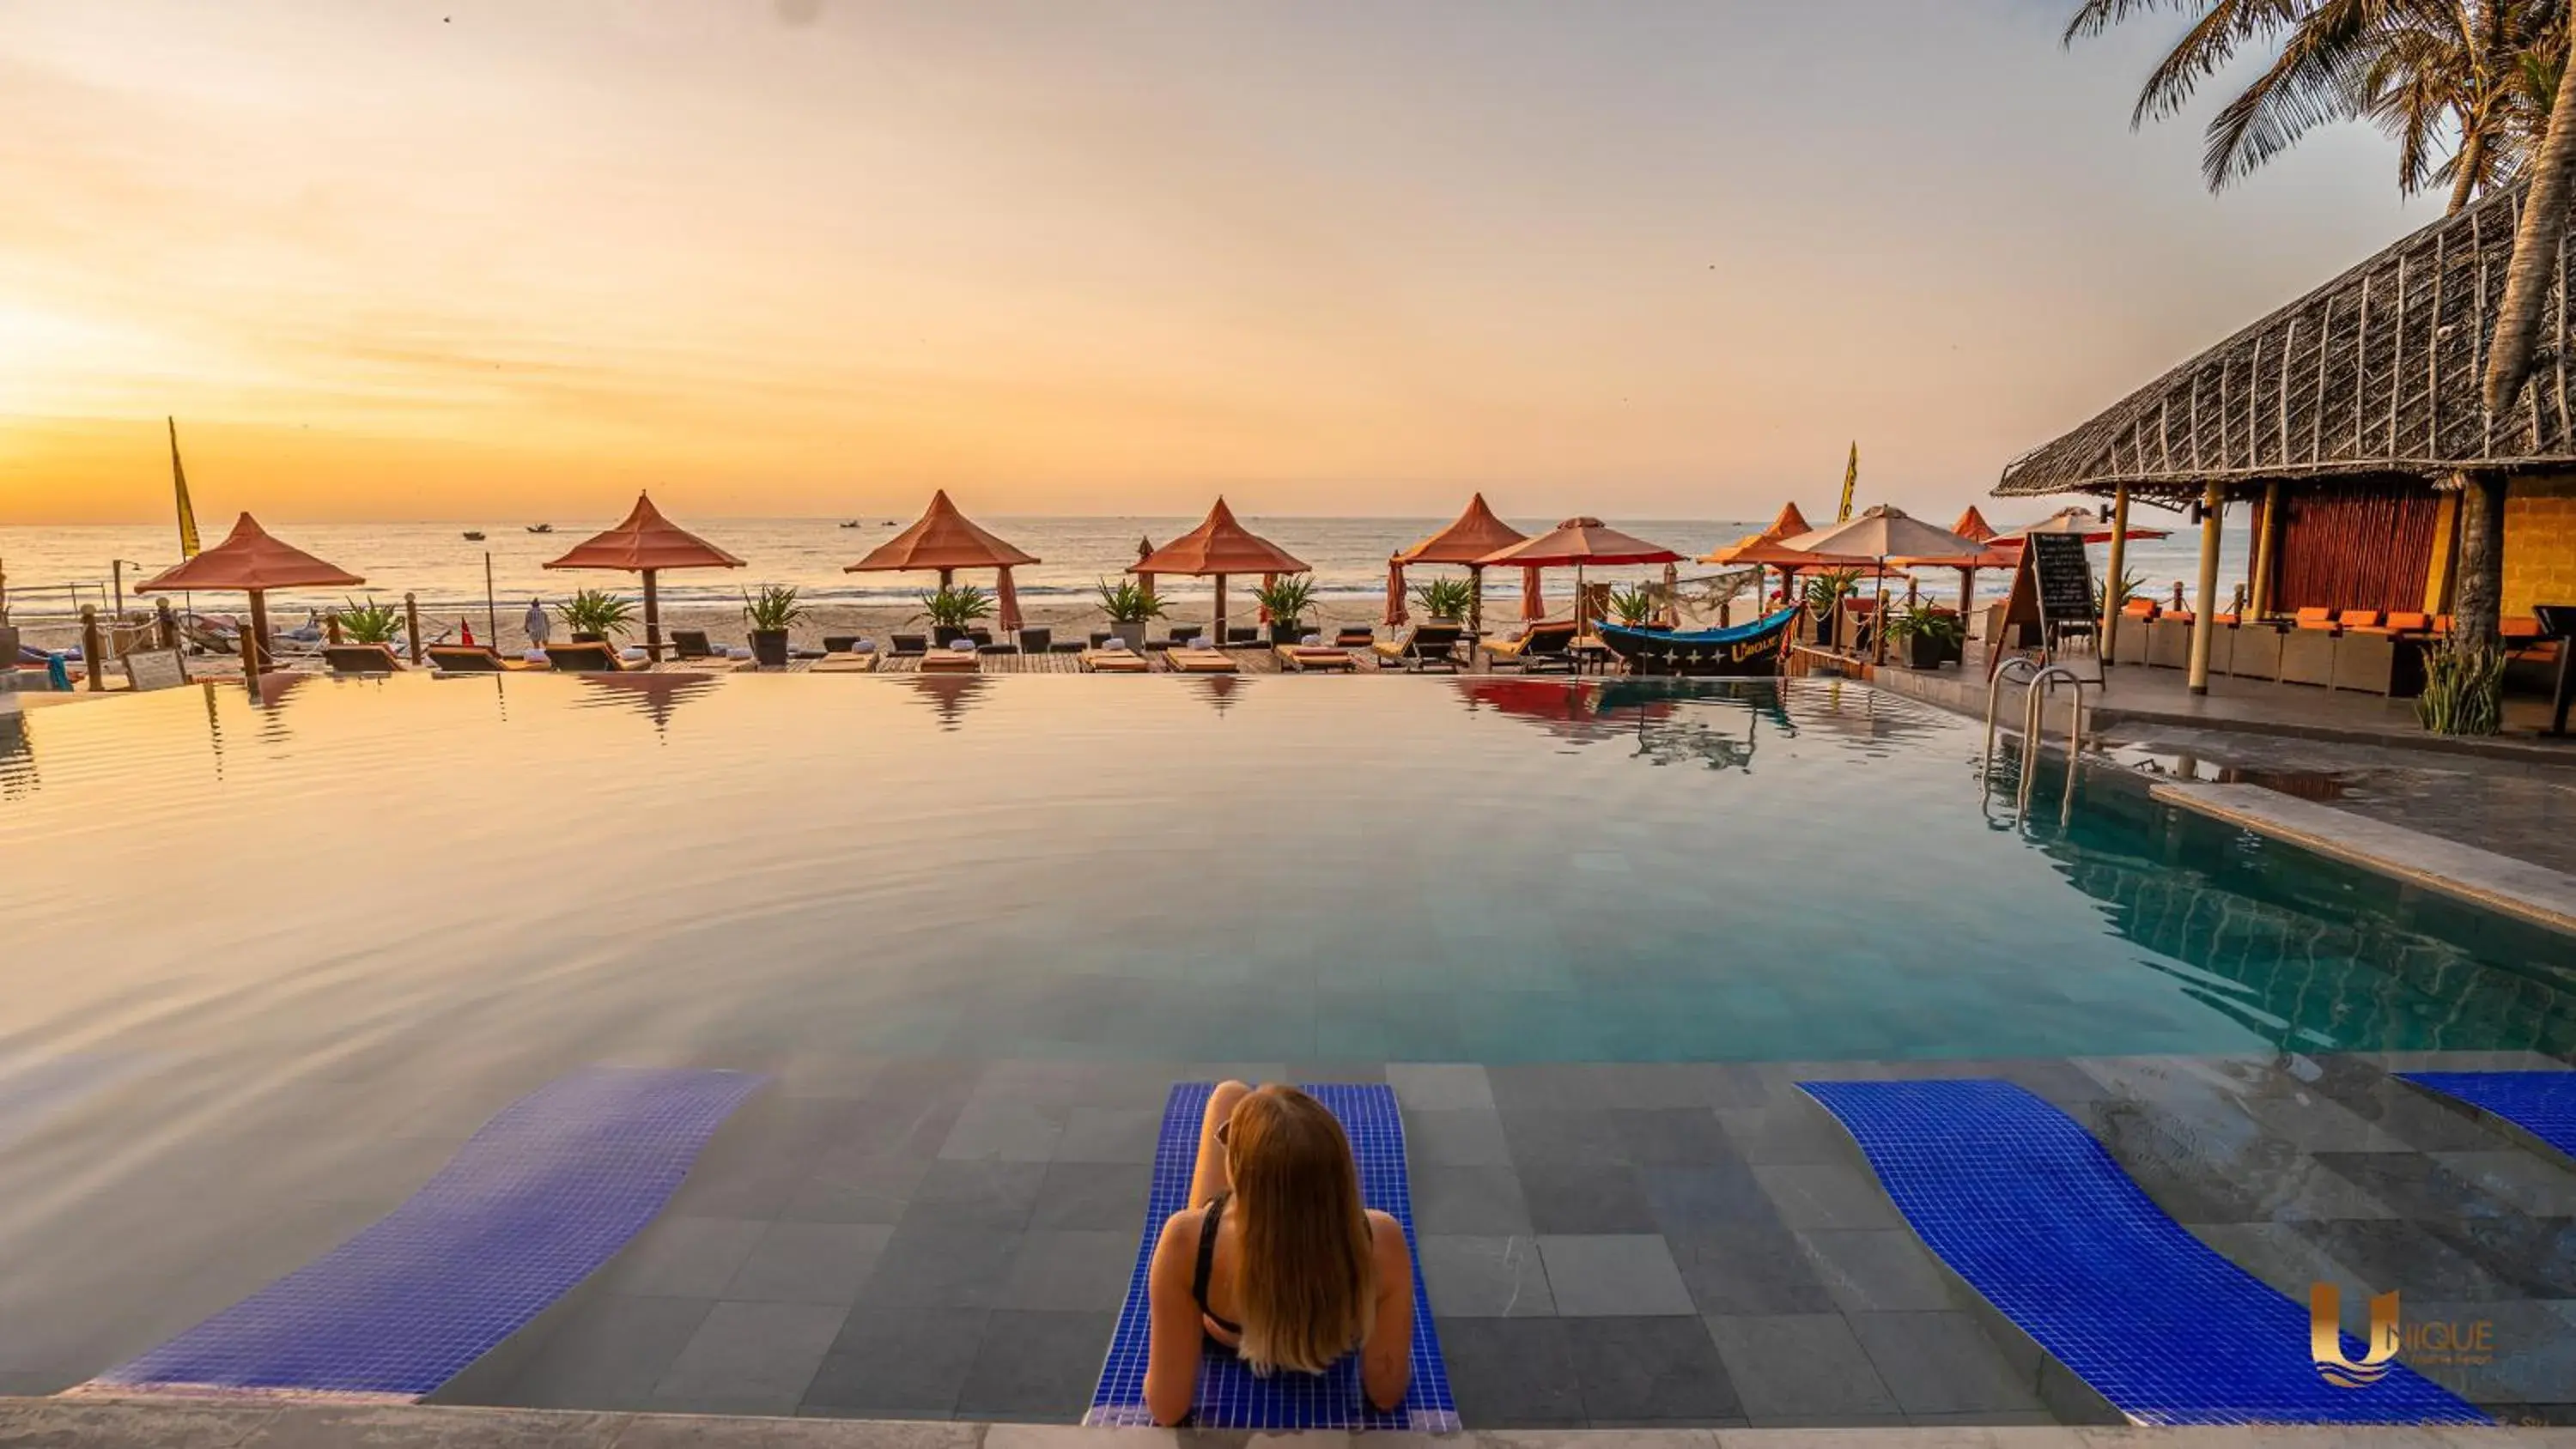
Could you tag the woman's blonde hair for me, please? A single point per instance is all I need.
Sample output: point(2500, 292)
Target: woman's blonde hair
point(1308, 1287)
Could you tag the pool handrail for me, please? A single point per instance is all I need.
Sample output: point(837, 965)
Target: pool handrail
point(2039, 679)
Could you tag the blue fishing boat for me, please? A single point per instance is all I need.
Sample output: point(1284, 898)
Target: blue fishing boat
point(1746, 649)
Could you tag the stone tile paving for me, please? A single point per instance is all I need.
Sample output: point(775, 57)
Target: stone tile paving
point(1621, 1245)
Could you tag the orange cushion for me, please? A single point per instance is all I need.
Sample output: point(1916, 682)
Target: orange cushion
point(2317, 618)
point(2357, 618)
point(2143, 608)
point(2410, 623)
point(2520, 628)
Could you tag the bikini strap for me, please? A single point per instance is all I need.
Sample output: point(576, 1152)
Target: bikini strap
point(1207, 1250)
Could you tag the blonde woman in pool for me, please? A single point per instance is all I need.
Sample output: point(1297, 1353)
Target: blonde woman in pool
point(1276, 1258)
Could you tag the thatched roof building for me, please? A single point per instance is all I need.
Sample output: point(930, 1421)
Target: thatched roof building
point(2379, 372)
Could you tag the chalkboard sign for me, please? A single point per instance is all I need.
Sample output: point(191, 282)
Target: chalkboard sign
point(2065, 575)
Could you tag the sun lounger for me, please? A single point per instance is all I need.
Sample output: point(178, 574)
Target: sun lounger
point(1229, 1396)
point(585, 659)
point(1199, 661)
point(1423, 646)
point(361, 659)
point(1115, 661)
point(2025, 1206)
point(952, 661)
point(904, 646)
point(1314, 658)
point(1354, 638)
point(2540, 1103)
point(541, 1197)
point(469, 659)
point(1540, 646)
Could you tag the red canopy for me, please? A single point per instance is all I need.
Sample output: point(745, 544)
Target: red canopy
point(942, 538)
point(1476, 533)
point(2075, 520)
point(1579, 541)
point(645, 543)
point(1219, 546)
point(250, 561)
point(1972, 526)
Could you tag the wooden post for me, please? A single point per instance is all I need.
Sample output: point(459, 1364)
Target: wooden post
point(2267, 550)
point(2204, 618)
point(93, 649)
point(331, 626)
point(2446, 547)
point(411, 623)
point(169, 623)
point(652, 620)
point(2111, 600)
point(256, 655)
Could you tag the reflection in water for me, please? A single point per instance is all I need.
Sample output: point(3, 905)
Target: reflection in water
point(950, 696)
point(1218, 690)
point(1715, 723)
point(1876, 721)
point(655, 696)
point(17, 758)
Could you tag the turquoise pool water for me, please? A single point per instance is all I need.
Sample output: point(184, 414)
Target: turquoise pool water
point(550, 870)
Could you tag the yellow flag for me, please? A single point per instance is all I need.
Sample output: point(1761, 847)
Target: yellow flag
point(187, 511)
point(1851, 476)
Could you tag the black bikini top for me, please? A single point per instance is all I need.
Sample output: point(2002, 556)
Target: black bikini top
point(1207, 1260)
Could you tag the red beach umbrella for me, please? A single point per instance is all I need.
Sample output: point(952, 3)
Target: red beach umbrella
point(1220, 547)
point(1475, 533)
point(647, 543)
point(1578, 542)
point(947, 540)
point(250, 561)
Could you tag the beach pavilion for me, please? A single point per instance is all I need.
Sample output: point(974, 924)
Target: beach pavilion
point(250, 561)
point(1476, 533)
point(1877, 536)
point(1219, 547)
point(947, 540)
point(647, 543)
point(1770, 549)
point(2354, 423)
point(1576, 543)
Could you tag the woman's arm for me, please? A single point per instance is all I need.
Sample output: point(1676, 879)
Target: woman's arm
point(1173, 1336)
point(1386, 1360)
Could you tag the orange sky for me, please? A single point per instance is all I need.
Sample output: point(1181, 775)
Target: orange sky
point(479, 257)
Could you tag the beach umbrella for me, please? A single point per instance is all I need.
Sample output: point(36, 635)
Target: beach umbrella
point(1883, 533)
point(251, 562)
point(1972, 526)
point(947, 540)
point(2077, 520)
point(1988, 556)
point(1475, 533)
point(1219, 547)
point(1577, 543)
point(647, 543)
point(1765, 550)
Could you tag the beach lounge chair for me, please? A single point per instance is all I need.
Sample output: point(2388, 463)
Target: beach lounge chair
point(952, 661)
point(2027, 1208)
point(692, 644)
point(1314, 659)
point(1424, 646)
point(469, 659)
point(585, 659)
point(1241, 638)
point(1115, 661)
point(1540, 646)
point(361, 659)
point(904, 646)
point(1229, 1395)
point(1036, 641)
point(1354, 637)
point(1199, 661)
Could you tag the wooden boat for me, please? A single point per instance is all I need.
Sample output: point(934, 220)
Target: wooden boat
point(1746, 649)
point(541, 528)
point(473, 535)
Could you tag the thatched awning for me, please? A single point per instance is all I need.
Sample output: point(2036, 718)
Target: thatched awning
point(2380, 371)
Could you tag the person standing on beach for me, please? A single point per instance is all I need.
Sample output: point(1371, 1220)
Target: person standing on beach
point(540, 628)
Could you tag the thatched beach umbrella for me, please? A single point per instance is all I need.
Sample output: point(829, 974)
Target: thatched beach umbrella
point(947, 540)
point(249, 562)
point(1768, 549)
point(1476, 533)
point(647, 543)
point(1219, 547)
point(1884, 533)
point(1578, 542)
point(1972, 526)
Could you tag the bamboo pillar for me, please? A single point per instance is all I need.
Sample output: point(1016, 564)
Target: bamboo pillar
point(2204, 618)
point(652, 617)
point(2111, 600)
point(2446, 546)
point(411, 624)
point(2267, 552)
point(93, 649)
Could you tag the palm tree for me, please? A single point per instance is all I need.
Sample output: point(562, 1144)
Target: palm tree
point(2451, 81)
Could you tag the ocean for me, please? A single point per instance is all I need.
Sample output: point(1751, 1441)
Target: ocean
point(49, 572)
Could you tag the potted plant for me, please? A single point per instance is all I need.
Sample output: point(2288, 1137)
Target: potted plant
point(1634, 604)
point(1824, 597)
point(595, 616)
point(2463, 690)
point(370, 622)
point(1926, 635)
point(1447, 601)
point(1287, 599)
point(953, 610)
point(2110, 595)
point(771, 615)
point(1128, 606)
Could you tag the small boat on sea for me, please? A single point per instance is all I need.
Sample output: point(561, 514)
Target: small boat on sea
point(850, 523)
point(541, 528)
point(1746, 649)
point(473, 535)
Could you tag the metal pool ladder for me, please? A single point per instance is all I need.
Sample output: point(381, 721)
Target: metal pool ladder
point(2041, 678)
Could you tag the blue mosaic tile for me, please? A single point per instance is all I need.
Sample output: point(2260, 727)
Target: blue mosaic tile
point(2540, 1103)
point(1230, 1395)
point(2021, 1202)
point(545, 1193)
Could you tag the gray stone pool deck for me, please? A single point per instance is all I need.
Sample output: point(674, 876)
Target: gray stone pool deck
point(1682, 1245)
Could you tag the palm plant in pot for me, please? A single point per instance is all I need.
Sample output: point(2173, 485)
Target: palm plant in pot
point(1129, 606)
point(1287, 599)
point(1634, 605)
point(771, 615)
point(1447, 601)
point(370, 622)
point(953, 610)
point(1926, 635)
point(595, 616)
point(1824, 597)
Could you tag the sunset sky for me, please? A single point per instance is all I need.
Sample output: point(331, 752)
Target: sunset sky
point(473, 258)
